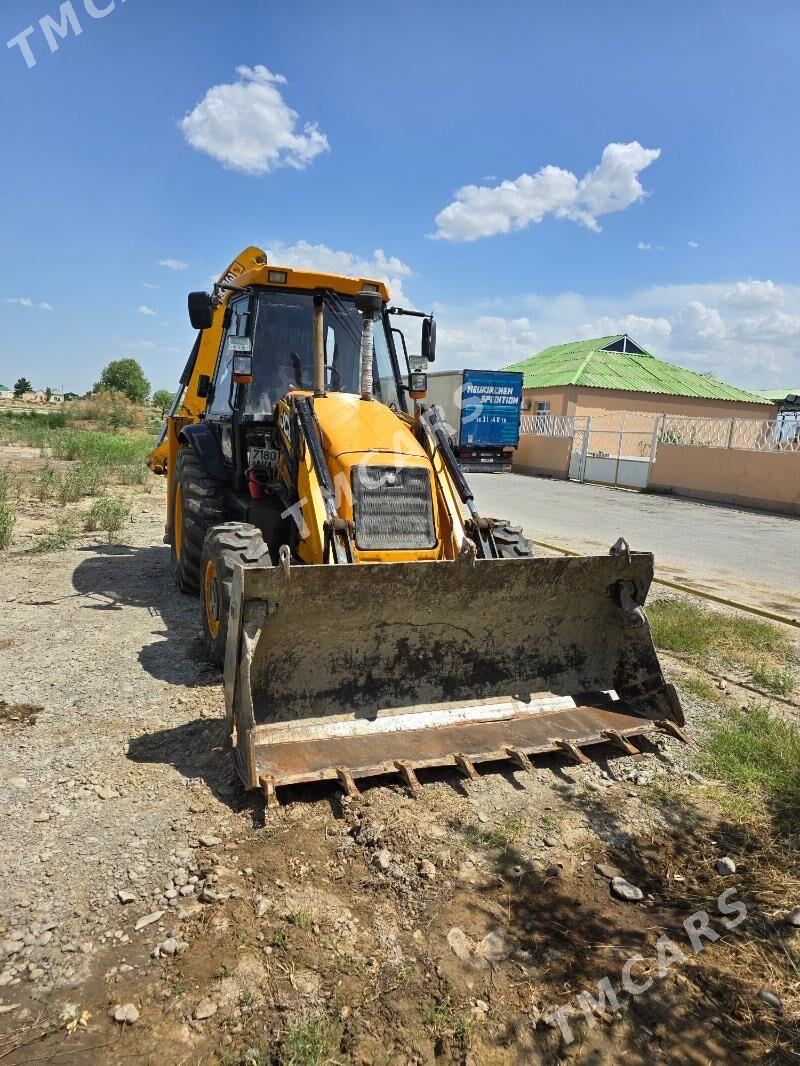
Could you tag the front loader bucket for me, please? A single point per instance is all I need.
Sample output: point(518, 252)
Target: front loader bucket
point(346, 671)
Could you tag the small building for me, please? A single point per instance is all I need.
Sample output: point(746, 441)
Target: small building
point(6, 393)
point(43, 396)
point(615, 374)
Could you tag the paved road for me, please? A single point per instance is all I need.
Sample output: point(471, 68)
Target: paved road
point(746, 555)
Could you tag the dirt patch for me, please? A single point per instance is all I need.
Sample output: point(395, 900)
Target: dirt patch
point(16, 715)
point(449, 928)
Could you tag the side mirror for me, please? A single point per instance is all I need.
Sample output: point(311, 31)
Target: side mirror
point(417, 385)
point(201, 310)
point(203, 385)
point(429, 339)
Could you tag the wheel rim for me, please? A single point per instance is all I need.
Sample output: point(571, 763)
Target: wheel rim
point(211, 598)
point(177, 521)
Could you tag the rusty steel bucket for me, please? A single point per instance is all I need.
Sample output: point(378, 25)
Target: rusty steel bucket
point(338, 672)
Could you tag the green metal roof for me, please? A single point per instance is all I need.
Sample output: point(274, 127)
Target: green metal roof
point(776, 395)
point(585, 363)
point(5, 388)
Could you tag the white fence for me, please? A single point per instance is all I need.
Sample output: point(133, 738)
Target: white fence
point(745, 434)
point(552, 425)
point(618, 448)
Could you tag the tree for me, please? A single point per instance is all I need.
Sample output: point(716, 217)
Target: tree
point(48, 394)
point(125, 375)
point(21, 386)
point(162, 398)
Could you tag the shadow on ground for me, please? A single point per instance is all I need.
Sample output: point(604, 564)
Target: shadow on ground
point(569, 933)
point(116, 576)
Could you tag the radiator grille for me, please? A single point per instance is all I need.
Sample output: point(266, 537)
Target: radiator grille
point(393, 508)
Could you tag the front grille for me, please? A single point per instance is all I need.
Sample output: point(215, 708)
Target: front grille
point(393, 508)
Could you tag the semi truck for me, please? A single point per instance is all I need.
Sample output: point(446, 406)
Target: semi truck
point(482, 410)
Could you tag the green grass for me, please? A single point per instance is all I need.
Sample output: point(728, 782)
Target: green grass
point(77, 483)
point(757, 757)
point(679, 625)
point(46, 483)
point(7, 517)
point(773, 679)
point(442, 1017)
point(501, 836)
point(758, 646)
point(702, 689)
point(301, 919)
point(65, 532)
point(59, 439)
point(109, 514)
point(309, 1041)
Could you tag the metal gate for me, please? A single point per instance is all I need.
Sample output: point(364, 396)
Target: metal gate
point(615, 449)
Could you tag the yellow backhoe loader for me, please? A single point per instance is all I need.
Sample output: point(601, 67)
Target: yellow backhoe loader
point(369, 619)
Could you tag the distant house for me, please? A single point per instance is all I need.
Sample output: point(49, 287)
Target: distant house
point(784, 398)
point(40, 396)
point(615, 374)
point(6, 393)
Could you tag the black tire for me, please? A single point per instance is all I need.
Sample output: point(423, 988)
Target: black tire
point(510, 540)
point(225, 545)
point(199, 499)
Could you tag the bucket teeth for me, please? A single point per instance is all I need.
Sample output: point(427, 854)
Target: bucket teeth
point(518, 756)
point(465, 765)
point(270, 793)
point(406, 770)
point(347, 782)
point(616, 738)
point(667, 726)
point(570, 749)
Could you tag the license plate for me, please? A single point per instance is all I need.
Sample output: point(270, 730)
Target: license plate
point(265, 459)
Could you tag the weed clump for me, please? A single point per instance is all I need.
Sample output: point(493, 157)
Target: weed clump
point(757, 757)
point(108, 514)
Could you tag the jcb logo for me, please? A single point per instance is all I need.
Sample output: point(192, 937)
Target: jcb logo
point(286, 426)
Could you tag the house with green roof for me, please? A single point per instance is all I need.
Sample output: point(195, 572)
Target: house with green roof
point(6, 393)
point(606, 374)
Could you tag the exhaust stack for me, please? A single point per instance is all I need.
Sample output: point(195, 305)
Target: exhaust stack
point(369, 304)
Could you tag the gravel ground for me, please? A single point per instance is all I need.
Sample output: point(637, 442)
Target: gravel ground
point(136, 878)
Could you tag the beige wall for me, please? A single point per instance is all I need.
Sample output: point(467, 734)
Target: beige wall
point(766, 480)
point(571, 400)
point(557, 398)
point(543, 455)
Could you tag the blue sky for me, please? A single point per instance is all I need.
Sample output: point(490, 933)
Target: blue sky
point(668, 207)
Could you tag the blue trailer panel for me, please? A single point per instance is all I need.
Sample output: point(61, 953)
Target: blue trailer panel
point(491, 405)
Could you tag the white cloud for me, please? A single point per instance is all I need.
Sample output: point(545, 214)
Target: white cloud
point(487, 340)
point(644, 246)
point(694, 244)
point(143, 309)
point(248, 126)
point(700, 323)
point(24, 301)
point(751, 293)
point(173, 264)
point(484, 210)
point(640, 327)
point(382, 267)
point(149, 285)
point(689, 324)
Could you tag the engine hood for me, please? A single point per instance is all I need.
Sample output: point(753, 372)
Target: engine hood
point(351, 426)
